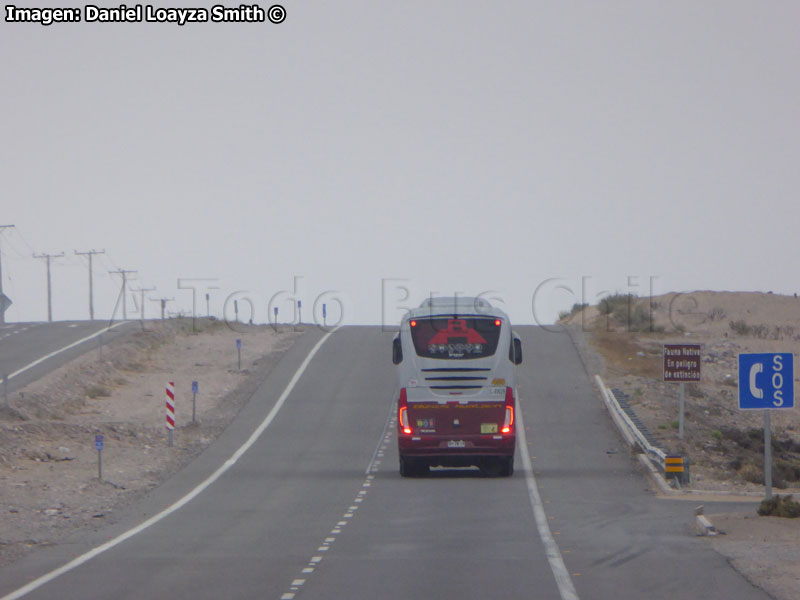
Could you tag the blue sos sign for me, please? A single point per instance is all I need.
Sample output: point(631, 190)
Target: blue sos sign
point(766, 381)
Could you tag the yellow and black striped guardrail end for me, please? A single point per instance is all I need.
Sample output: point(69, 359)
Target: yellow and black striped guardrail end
point(673, 466)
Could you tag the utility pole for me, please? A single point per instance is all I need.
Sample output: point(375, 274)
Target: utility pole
point(4, 302)
point(143, 290)
point(163, 304)
point(90, 253)
point(47, 257)
point(123, 291)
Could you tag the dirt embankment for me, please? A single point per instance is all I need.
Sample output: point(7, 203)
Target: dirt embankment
point(49, 482)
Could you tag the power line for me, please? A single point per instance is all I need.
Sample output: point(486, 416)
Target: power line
point(124, 274)
point(90, 253)
point(143, 290)
point(47, 257)
point(24, 241)
point(163, 304)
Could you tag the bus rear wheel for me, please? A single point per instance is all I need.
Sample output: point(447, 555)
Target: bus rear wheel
point(412, 467)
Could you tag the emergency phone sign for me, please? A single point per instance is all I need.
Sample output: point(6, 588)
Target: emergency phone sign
point(766, 381)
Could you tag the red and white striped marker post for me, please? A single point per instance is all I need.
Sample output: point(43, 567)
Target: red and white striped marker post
point(170, 410)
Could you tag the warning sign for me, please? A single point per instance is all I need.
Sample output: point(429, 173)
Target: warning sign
point(681, 362)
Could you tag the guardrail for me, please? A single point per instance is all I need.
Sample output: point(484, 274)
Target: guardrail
point(632, 434)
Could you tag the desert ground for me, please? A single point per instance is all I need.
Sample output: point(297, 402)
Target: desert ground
point(49, 484)
point(623, 340)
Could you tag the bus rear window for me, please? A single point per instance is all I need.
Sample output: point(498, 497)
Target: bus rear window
point(455, 338)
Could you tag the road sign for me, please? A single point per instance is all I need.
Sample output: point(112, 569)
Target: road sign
point(324, 311)
point(766, 381)
point(195, 387)
point(299, 304)
point(681, 362)
point(238, 344)
point(98, 442)
point(170, 397)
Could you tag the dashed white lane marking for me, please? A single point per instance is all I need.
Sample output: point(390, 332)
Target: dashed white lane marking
point(565, 586)
point(347, 517)
point(76, 562)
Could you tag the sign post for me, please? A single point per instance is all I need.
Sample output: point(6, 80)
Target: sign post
point(170, 391)
point(766, 382)
point(195, 389)
point(681, 364)
point(98, 444)
point(299, 312)
point(324, 316)
point(239, 352)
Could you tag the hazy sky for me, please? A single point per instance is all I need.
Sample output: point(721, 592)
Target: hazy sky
point(458, 146)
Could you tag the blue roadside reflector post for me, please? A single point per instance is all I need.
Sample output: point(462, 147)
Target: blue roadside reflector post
point(239, 351)
point(195, 389)
point(98, 444)
point(324, 316)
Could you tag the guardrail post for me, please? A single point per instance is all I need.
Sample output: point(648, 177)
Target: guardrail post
point(677, 467)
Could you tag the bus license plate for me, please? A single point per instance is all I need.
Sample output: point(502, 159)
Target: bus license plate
point(456, 444)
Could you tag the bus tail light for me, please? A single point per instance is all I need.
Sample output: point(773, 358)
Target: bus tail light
point(402, 412)
point(508, 424)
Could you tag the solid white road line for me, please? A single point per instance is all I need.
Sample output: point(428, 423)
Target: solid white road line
point(36, 583)
point(67, 347)
point(563, 580)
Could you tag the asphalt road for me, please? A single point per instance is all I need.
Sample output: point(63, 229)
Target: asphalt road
point(24, 343)
point(316, 507)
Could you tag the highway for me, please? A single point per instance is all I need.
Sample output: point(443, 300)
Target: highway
point(22, 344)
point(315, 507)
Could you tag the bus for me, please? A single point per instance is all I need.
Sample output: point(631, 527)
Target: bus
point(456, 397)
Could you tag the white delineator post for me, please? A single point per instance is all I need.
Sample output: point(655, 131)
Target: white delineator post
point(170, 410)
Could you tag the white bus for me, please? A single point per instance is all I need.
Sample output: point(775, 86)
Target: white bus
point(457, 393)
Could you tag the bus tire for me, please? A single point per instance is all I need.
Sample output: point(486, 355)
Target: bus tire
point(410, 467)
point(507, 466)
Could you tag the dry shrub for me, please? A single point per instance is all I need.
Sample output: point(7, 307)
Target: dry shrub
point(752, 473)
point(618, 347)
point(780, 506)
